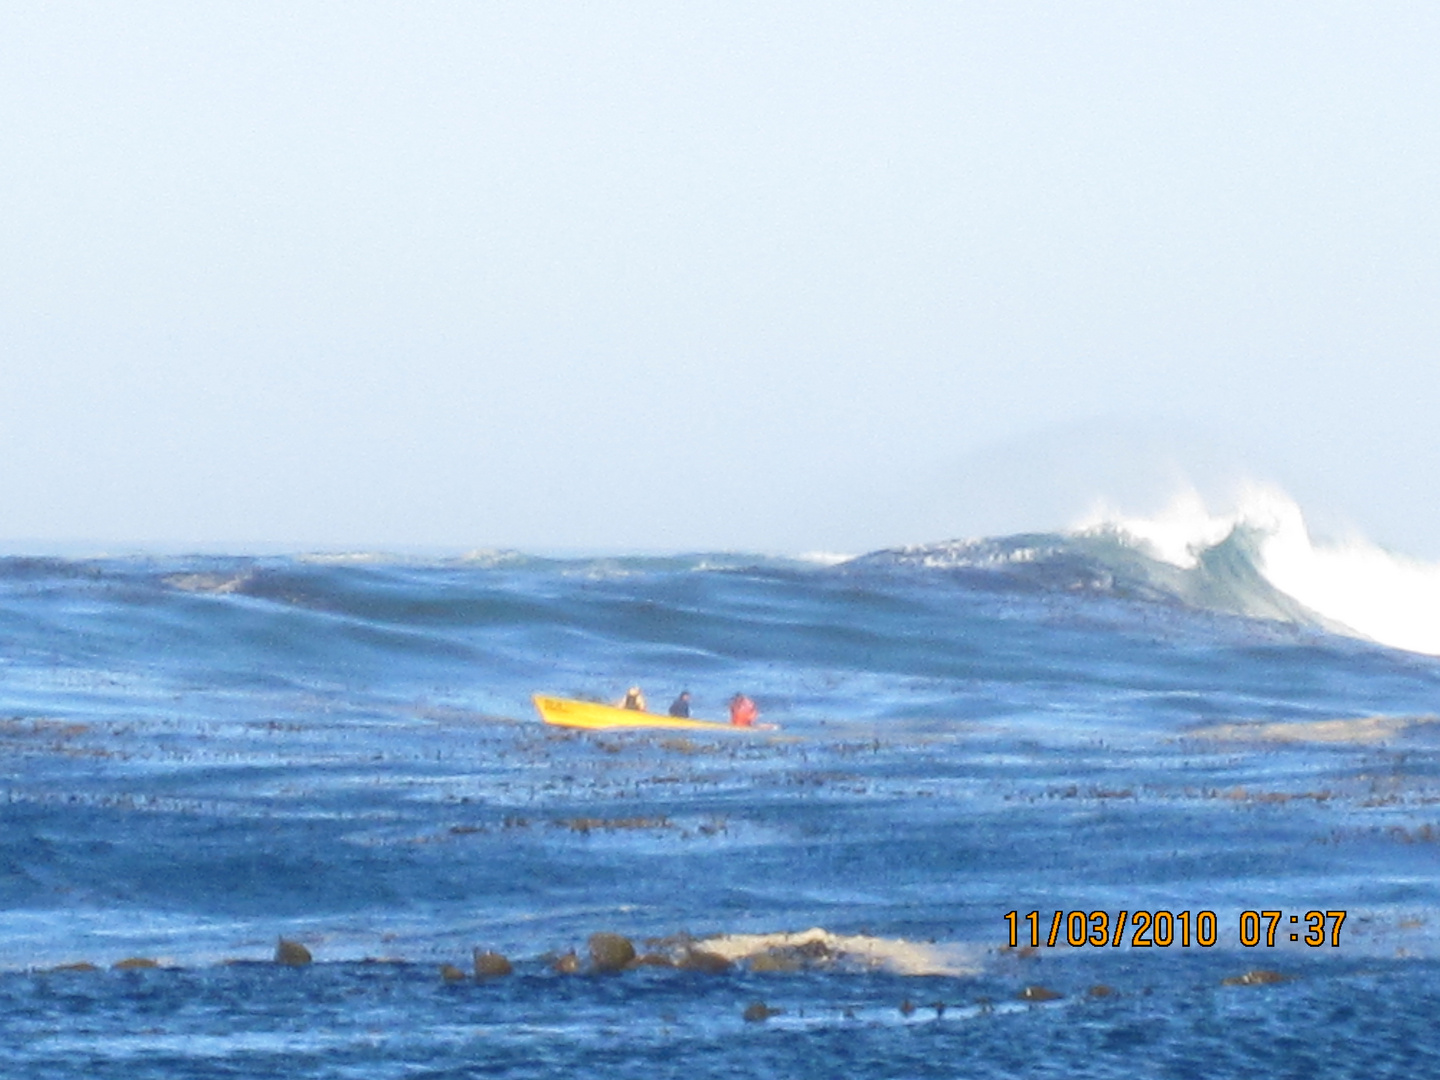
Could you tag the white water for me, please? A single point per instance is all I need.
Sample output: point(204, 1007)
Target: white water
point(1387, 598)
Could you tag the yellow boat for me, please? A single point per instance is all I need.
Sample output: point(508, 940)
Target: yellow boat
point(565, 712)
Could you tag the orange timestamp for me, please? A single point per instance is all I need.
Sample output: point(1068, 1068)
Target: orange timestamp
point(1162, 929)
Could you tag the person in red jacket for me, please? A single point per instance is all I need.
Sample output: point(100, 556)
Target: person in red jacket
point(743, 711)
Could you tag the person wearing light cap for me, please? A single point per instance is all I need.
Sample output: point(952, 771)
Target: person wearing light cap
point(634, 700)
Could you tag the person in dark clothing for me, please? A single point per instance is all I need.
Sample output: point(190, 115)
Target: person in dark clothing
point(681, 705)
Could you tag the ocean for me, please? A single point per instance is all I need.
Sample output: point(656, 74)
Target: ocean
point(1143, 799)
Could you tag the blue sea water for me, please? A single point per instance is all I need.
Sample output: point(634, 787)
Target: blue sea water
point(202, 755)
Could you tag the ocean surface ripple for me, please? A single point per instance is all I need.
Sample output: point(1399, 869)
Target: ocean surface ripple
point(200, 756)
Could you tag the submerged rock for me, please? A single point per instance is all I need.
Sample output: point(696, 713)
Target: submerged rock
point(451, 973)
point(610, 952)
point(802, 956)
point(1257, 977)
point(491, 965)
point(711, 963)
point(1100, 990)
point(758, 1012)
point(135, 963)
point(565, 964)
point(83, 965)
point(291, 953)
point(1039, 993)
point(651, 959)
point(775, 961)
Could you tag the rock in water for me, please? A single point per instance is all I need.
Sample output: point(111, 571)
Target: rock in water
point(291, 953)
point(610, 952)
point(490, 965)
point(651, 959)
point(757, 1012)
point(773, 960)
point(451, 973)
point(135, 963)
point(566, 964)
point(1254, 978)
point(1039, 993)
point(711, 963)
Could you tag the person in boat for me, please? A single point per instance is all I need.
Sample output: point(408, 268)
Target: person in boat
point(634, 700)
point(681, 705)
point(743, 711)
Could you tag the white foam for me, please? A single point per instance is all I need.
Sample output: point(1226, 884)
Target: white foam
point(220, 584)
point(488, 558)
point(823, 558)
point(1177, 535)
point(896, 955)
point(1387, 598)
point(346, 558)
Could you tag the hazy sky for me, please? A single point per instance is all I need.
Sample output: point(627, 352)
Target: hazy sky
point(774, 276)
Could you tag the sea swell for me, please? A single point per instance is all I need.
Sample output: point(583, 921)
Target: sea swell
point(336, 619)
point(1258, 560)
point(1226, 577)
point(202, 755)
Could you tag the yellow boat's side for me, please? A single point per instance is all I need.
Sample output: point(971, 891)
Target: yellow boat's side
point(565, 712)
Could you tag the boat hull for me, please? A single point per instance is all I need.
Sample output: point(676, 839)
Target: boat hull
point(566, 712)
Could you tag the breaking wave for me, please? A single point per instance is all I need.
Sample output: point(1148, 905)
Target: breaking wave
point(1257, 560)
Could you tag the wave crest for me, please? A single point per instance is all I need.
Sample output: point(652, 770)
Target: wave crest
point(1257, 560)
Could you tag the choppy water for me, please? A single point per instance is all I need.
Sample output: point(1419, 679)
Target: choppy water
point(199, 756)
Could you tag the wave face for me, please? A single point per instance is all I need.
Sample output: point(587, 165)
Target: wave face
point(1258, 560)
